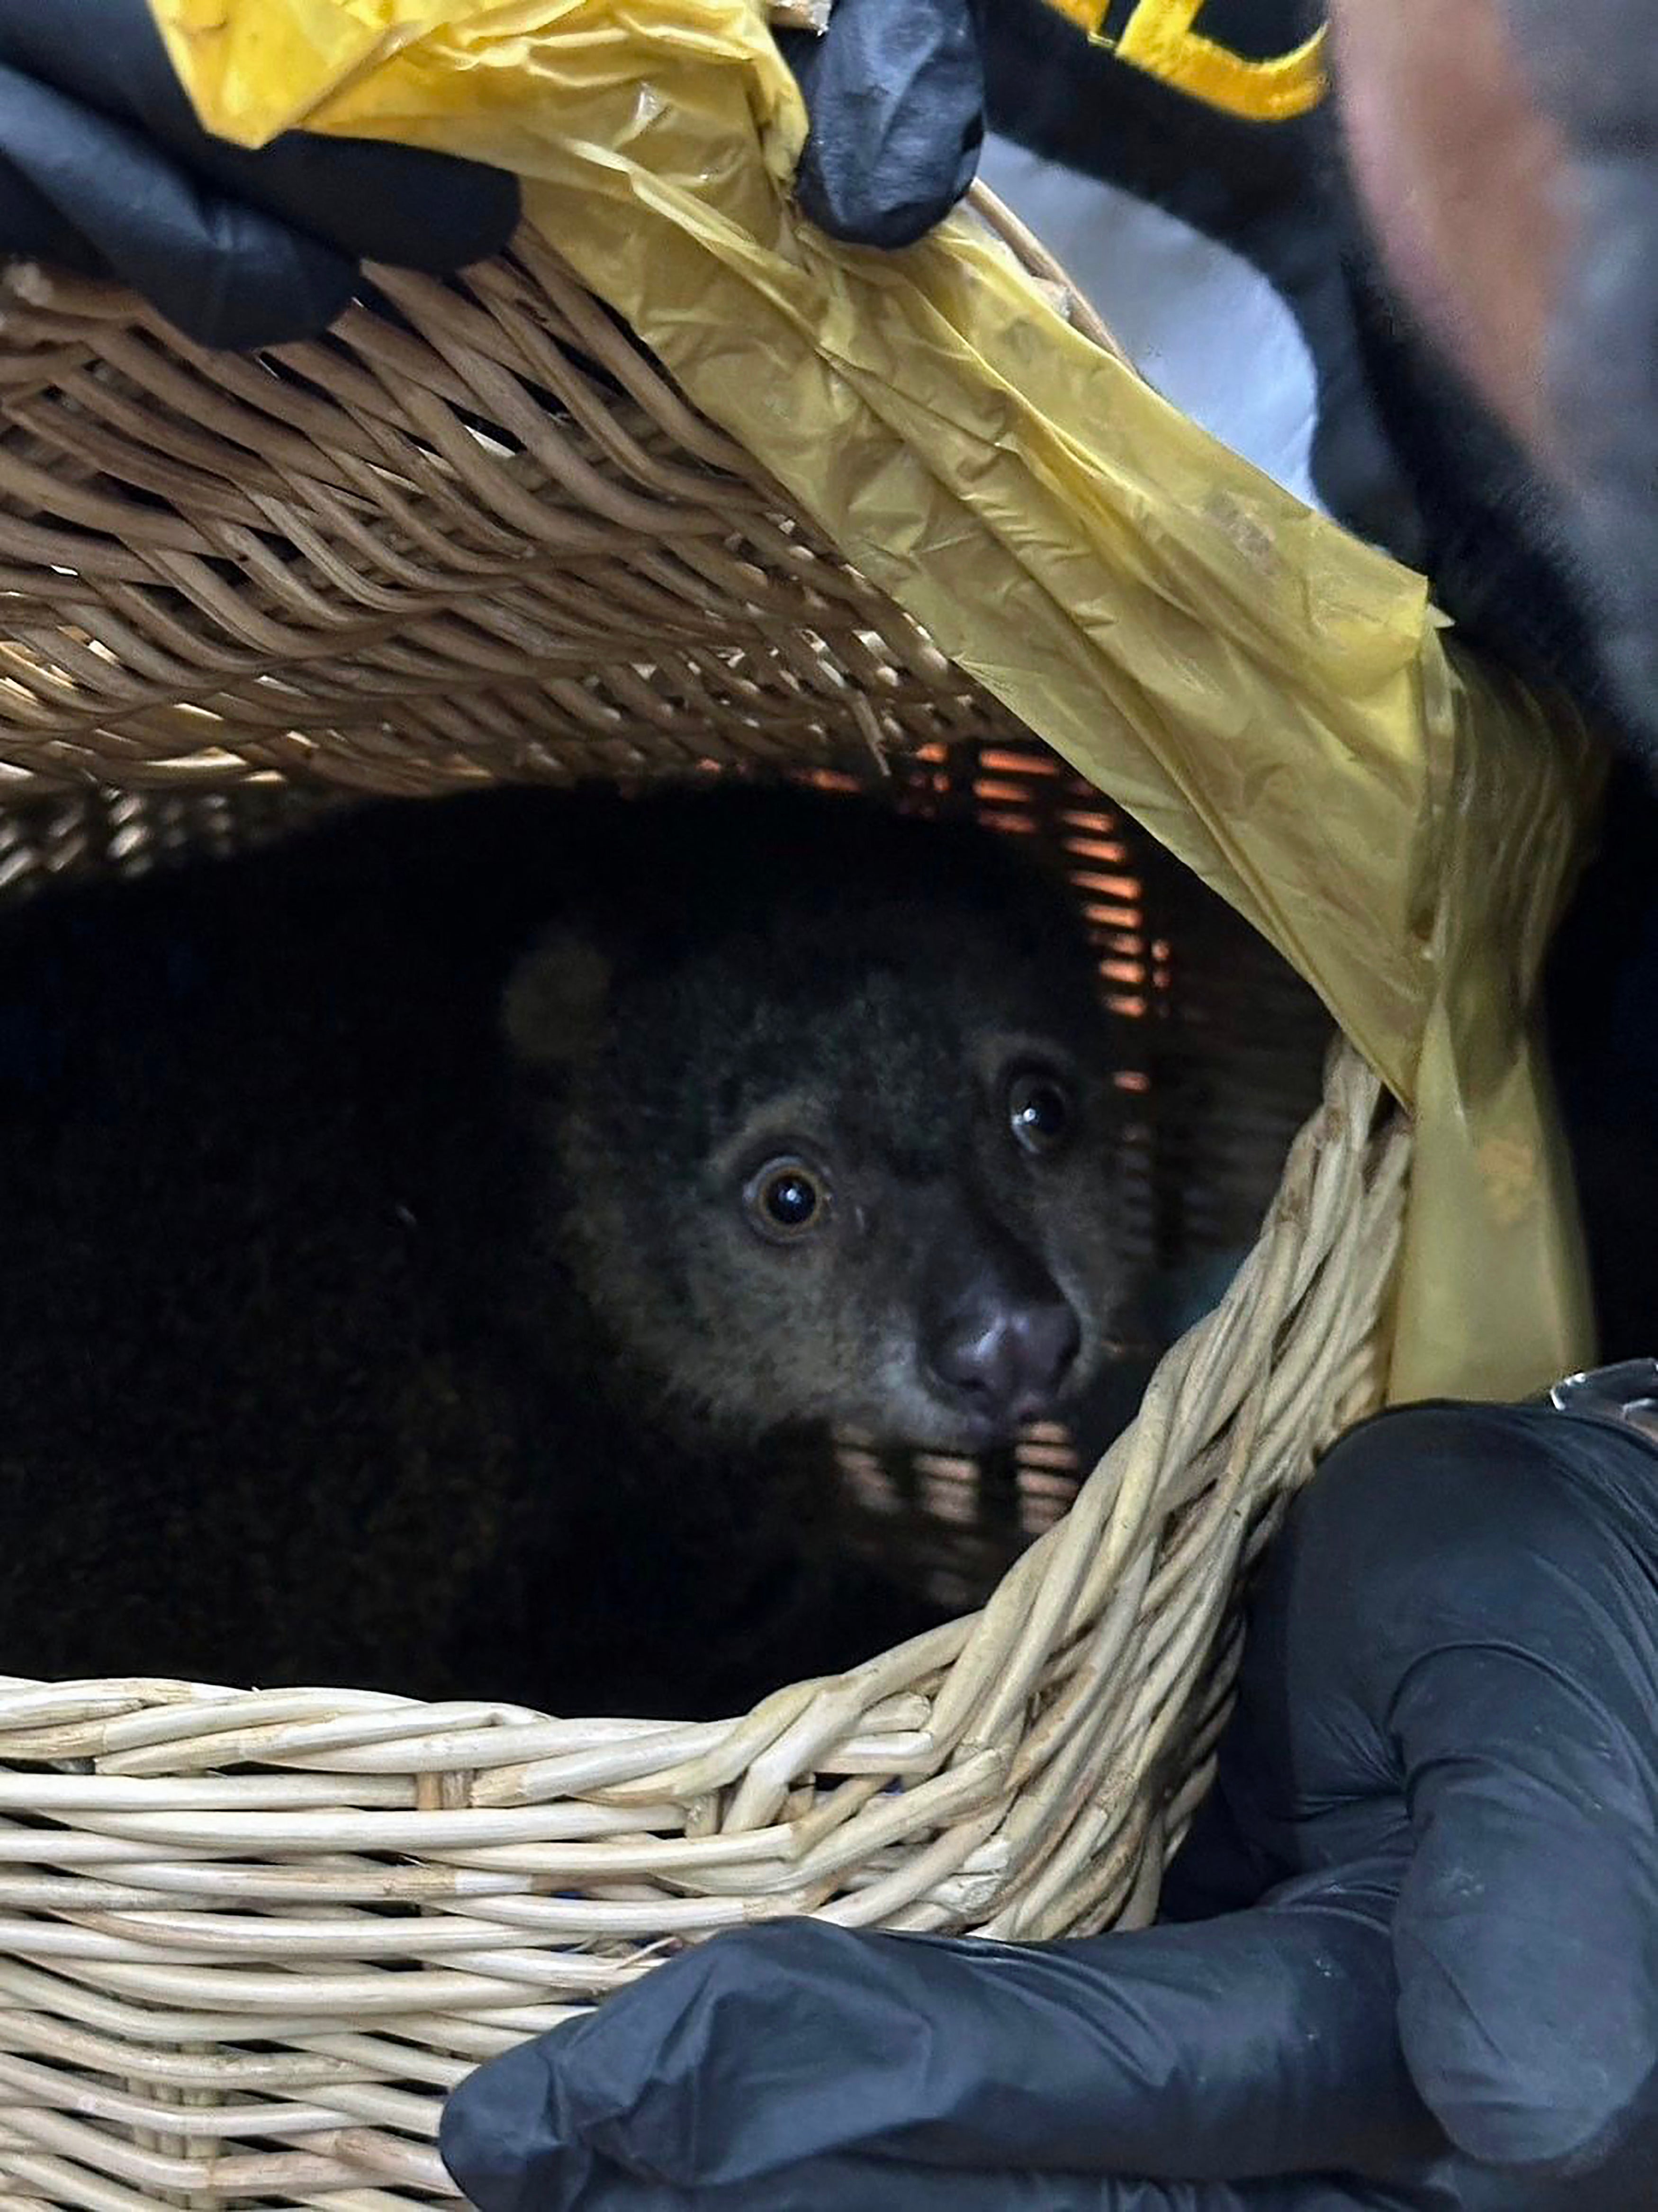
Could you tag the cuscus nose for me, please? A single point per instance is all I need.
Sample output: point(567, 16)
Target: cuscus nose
point(1006, 1362)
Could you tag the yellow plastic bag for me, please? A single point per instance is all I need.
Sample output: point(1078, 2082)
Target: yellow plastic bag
point(1271, 698)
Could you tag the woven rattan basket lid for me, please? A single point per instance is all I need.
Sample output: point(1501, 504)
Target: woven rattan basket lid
point(473, 531)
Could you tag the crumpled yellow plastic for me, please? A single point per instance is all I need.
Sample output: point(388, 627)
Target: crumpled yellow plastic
point(1273, 700)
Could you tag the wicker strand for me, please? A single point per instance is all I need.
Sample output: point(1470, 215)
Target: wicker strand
point(246, 1941)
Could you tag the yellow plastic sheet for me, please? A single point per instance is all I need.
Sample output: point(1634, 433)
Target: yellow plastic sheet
point(1274, 701)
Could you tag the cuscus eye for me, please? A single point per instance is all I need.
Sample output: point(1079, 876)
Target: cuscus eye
point(1039, 1111)
point(788, 1199)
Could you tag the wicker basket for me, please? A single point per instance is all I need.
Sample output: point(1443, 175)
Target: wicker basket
point(247, 1940)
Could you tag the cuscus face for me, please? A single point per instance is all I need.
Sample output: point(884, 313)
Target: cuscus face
point(850, 1161)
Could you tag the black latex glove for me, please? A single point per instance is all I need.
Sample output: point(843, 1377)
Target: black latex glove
point(1432, 1982)
point(895, 92)
point(105, 170)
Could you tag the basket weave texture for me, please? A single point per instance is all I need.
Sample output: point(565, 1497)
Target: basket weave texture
point(248, 1940)
point(423, 549)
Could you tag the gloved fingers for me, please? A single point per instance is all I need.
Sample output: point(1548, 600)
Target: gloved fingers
point(33, 229)
point(379, 202)
point(222, 272)
point(1525, 1941)
point(858, 2185)
point(369, 201)
point(1477, 1584)
point(372, 200)
point(1263, 2044)
point(894, 89)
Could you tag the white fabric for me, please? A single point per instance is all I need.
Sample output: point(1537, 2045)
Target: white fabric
point(1202, 325)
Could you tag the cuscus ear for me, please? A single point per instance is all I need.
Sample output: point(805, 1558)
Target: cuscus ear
point(553, 1008)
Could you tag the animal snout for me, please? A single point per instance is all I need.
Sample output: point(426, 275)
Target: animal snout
point(1005, 1363)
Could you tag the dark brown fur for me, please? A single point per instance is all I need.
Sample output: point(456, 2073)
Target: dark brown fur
point(377, 1304)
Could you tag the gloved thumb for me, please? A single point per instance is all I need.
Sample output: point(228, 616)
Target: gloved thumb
point(1262, 2044)
point(894, 89)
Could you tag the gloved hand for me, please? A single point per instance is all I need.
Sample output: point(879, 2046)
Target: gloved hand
point(895, 92)
point(1421, 1967)
point(105, 170)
